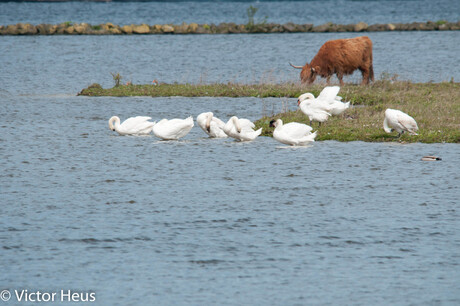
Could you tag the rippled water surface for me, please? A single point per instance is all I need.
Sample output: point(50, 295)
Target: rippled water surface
point(315, 12)
point(57, 64)
point(201, 221)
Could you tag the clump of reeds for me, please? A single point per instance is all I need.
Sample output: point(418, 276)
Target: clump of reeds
point(116, 78)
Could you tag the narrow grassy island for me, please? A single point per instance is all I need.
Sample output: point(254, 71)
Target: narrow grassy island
point(435, 106)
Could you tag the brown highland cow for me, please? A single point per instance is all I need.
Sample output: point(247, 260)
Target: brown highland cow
point(340, 57)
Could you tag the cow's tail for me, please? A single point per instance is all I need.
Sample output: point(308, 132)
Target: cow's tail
point(371, 73)
point(371, 69)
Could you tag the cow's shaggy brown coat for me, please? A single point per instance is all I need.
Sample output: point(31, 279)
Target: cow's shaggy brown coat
point(340, 57)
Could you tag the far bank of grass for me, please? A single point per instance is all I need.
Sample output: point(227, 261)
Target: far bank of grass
point(435, 106)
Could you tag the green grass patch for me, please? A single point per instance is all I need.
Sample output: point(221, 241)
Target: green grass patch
point(435, 107)
point(200, 90)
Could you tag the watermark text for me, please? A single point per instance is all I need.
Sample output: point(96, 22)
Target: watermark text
point(25, 295)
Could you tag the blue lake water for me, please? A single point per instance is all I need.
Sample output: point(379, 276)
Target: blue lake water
point(199, 221)
point(67, 64)
point(315, 12)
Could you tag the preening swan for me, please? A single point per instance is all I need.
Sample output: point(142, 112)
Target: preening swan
point(315, 111)
point(241, 129)
point(400, 122)
point(294, 133)
point(211, 125)
point(328, 95)
point(139, 125)
point(326, 104)
point(173, 129)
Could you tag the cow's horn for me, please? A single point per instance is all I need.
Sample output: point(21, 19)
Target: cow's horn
point(297, 67)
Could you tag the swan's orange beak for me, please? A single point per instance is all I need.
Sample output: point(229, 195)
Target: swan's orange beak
point(298, 102)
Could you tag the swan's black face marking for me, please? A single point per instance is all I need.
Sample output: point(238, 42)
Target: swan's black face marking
point(208, 129)
point(272, 123)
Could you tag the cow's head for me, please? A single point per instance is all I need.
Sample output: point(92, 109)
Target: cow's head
point(308, 73)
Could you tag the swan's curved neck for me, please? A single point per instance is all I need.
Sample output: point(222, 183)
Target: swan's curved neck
point(237, 125)
point(114, 123)
point(208, 121)
point(306, 96)
point(386, 127)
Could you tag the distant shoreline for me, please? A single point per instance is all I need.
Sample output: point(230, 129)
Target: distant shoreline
point(69, 28)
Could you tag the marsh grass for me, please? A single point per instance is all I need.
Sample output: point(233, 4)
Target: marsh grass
point(202, 90)
point(251, 25)
point(435, 106)
point(116, 78)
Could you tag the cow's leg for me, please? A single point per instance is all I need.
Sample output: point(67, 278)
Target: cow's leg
point(365, 73)
point(328, 80)
point(340, 77)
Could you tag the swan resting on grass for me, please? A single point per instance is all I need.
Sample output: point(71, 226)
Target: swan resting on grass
point(241, 129)
point(173, 129)
point(400, 122)
point(293, 133)
point(139, 125)
point(211, 125)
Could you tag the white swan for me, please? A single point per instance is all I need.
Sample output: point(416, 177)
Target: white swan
point(399, 121)
point(315, 111)
point(173, 129)
point(139, 125)
point(325, 105)
point(338, 107)
point(211, 125)
point(327, 96)
point(241, 129)
point(294, 133)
